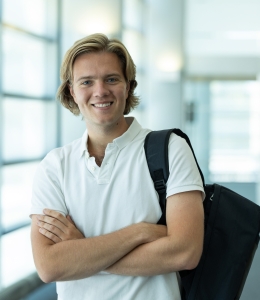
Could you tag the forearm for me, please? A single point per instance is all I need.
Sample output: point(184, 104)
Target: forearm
point(162, 256)
point(89, 256)
point(149, 259)
point(76, 259)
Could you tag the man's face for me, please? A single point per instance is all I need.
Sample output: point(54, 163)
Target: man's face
point(99, 88)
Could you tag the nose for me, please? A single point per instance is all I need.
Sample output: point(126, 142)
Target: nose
point(100, 89)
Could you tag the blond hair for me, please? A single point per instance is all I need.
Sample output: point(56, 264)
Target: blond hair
point(96, 43)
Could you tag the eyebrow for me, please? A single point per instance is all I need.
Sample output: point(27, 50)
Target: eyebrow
point(91, 77)
point(84, 77)
point(113, 74)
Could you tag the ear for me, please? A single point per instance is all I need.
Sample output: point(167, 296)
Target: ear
point(72, 92)
point(127, 87)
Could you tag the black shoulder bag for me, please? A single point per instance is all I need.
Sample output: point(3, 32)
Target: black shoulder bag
point(232, 226)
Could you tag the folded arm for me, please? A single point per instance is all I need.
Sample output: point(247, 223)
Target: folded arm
point(178, 249)
point(83, 257)
point(182, 247)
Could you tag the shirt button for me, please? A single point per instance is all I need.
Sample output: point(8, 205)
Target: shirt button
point(93, 168)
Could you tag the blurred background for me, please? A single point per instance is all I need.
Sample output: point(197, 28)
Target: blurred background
point(198, 68)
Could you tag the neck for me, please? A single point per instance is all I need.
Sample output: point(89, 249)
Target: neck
point(98, 139)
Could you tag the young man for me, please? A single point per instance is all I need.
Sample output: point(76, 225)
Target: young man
point(113, 248)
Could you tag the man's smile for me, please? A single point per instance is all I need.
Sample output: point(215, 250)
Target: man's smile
point(102, 104)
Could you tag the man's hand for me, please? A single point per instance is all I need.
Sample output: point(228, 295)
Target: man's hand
point(56, 227)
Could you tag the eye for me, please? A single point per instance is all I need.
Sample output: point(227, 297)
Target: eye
point(112, 80)
point(86, 82)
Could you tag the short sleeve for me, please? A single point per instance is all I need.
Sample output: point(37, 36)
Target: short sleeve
point(47, 187)
point(184, 174)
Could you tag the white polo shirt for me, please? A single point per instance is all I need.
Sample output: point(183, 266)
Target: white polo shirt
point(103, 199)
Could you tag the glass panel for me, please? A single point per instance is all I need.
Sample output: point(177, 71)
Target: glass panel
point(206, 36)
point(197, 118)
point(235, 131)
point(29, 129)
point(133, 40)
point(16, 193)
point(31, 15)
point(133, 14)
point(16, 256)
point(87, 17)
point(28, 65)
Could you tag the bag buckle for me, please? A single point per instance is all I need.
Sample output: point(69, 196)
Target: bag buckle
point(160, 186)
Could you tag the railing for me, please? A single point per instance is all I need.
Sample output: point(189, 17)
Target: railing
point(21, 288)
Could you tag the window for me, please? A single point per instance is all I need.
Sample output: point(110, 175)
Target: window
point(28, 126)
point(223, 123)
point(234, 130)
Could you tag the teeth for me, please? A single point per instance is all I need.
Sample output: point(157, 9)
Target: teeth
point(102, 104)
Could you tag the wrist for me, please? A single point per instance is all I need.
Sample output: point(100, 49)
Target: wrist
point(143, 232)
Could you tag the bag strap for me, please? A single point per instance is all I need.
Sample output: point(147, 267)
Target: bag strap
point(156, 151)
